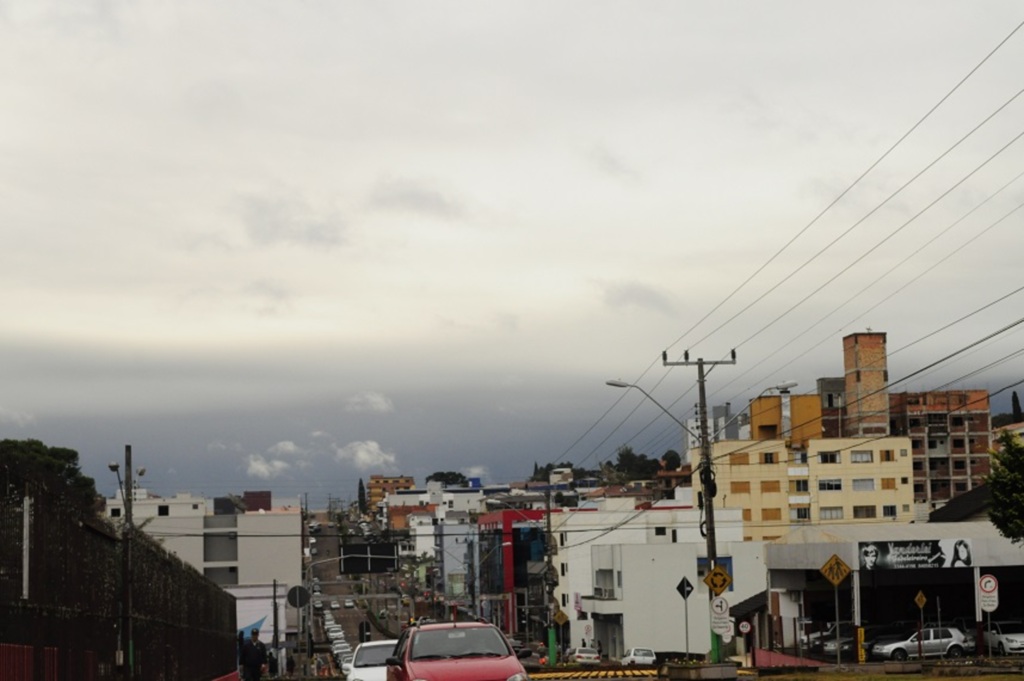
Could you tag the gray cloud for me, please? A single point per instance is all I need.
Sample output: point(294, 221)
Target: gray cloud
point(16, 418)
point(635, 294)
point(271, 221)
point(369, 402)
point(403, 194)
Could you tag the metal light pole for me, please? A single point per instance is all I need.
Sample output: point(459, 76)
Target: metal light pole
point(127, 643)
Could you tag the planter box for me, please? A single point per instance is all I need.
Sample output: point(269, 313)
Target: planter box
point(694, 672)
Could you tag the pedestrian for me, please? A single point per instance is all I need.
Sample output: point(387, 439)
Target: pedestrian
point(289, 665)
point(254, 657)
point(272, 665)
point(600, 654)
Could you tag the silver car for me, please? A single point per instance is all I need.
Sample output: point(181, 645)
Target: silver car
point(930, 642)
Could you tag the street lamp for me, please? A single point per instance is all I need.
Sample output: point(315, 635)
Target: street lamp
point(126, 643)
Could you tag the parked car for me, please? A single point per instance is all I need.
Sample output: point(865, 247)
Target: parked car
point(1005, 638)
point(455, 651)
point(587, 656)
point(349, 603)
point(932, 642)
point(370, 661)
point(639, 656)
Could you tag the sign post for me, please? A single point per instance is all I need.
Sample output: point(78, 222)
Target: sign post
point(835, 571)
point(685, 588)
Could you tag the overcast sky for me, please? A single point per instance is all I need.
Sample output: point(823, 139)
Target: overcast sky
point(287, 245)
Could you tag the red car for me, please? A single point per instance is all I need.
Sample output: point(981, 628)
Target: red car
point(455, 651)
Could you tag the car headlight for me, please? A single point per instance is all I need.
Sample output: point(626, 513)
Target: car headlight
point(519, 677)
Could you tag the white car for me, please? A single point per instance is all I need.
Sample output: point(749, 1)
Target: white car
point(369, 663)
point(930, 641)
point(1005, 638)
point(638, 656)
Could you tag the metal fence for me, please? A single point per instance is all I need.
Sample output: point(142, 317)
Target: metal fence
point(61, 596)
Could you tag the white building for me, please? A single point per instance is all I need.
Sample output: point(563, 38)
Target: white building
point(245, 553)
point(590, 541)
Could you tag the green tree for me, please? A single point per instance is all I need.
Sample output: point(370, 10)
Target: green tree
point(1006, 484)
point(671, 461)
point(362, 498)
point(449, 478)
point(30, 462)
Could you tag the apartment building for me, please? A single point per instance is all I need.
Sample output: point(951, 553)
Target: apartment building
point(380, 486)
point(780, 487)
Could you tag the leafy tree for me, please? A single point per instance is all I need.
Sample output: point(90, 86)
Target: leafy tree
point(671, 461)
point(362, 498)
point(1006, 483)
point(29, 463)
point(633, 466)
point(449, 478)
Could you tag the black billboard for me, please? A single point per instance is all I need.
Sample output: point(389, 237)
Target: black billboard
point(361, 559)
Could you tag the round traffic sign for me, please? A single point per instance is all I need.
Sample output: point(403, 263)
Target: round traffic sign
point(988, 584)
point(744, 627)
point(719, 605)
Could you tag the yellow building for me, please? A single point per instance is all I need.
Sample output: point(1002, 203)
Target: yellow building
point(781, 486)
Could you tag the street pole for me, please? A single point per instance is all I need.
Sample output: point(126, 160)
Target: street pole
point(129, 528)
point(550, 582)
point(707, 474)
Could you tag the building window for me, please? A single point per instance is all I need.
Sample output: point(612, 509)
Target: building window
point(831, 513)
point(862, 456)
point(828, 457)
point(959, 464)
point(906, 508)
point(771, 514)
point(799, 514)
point(659, 531)
point(933, 444)
point(915, 423)
point(888, 483)
point(960, 487)
point(565, 569)
point(889, 511)
point(115, 513)
point(864, 485)
point(163, 509)
point(914, 444)
point(739, 486)
point(739, 459)
point(800, 456)
point(565, 600)
point(903, 452)
point(958, 442)
point(801, 486)
point(769, 457)
point(864, 512)
point(747, 516)
point(904, 481)
point(770, 486)
point(830, 485)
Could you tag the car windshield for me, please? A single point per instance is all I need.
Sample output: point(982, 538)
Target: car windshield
point(458, 642)
point(586, 651)
point(373, 656)
point(643, 652)
point(1012, 628)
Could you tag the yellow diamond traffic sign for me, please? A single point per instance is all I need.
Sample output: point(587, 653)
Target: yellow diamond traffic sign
point(835, 570)
point(920, 599)
point(561, 618)
point(718, 580)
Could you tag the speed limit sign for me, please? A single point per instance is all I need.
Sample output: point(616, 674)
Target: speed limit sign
point(744, 627)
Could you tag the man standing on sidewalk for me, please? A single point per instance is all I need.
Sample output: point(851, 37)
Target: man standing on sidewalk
point(254, 657)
